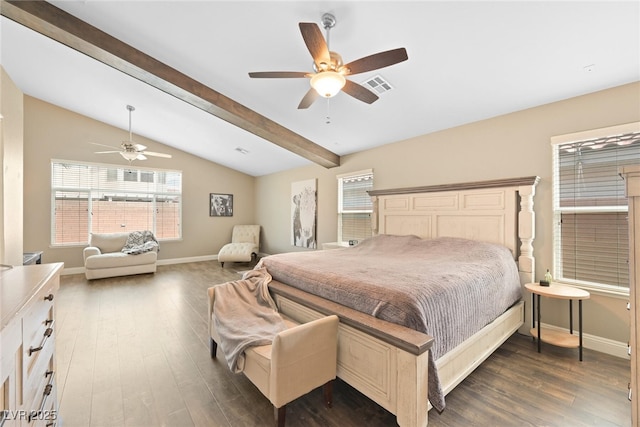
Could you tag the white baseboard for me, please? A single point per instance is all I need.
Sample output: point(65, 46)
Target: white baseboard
point(69, 271)
point(188, 259)
point(594, 342)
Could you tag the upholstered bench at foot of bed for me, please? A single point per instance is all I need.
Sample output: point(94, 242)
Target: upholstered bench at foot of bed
point(300, 359)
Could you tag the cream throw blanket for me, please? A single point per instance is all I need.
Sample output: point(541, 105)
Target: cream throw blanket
point(245, 315)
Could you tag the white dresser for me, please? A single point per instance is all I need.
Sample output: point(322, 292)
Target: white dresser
point(27, 343)
point(631, 175)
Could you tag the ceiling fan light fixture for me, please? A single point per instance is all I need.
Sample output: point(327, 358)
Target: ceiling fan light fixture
point(129, 155)
point(328, 83)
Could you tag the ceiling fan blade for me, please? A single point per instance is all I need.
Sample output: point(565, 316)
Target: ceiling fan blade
point(151, 153)
point(377, 60)
point(139, 147)
point(278, 74)
point(106, 152)
point(308, 99)
point(315, 43)
point(359, 92)
point(103, 145)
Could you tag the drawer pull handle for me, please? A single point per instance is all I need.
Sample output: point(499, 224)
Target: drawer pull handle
point(49, 297)
point(630, 392)
point(47, 334)
point(45, 394)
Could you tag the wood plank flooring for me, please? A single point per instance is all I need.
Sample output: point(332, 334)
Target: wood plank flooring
point(133, 351)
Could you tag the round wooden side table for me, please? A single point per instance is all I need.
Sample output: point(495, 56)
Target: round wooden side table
point(555, 337)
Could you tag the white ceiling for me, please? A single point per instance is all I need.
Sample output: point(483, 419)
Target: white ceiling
point(468, 61)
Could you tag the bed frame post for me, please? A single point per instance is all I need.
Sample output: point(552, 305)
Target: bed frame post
point(374, 215)
point(412, 389)
point(527, 232)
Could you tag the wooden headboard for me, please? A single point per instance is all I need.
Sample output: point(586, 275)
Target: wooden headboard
point(498, 211)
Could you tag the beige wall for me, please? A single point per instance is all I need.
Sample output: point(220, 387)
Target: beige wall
point(11, 178)
point(55, 133)
point(512, 145)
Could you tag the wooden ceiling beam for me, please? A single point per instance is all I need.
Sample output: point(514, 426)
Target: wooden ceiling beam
point(65, 28)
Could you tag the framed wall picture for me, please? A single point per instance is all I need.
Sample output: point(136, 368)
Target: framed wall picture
point(303, 213)
point(220, 204)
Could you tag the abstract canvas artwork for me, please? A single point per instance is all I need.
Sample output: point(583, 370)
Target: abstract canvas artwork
point(303, 213)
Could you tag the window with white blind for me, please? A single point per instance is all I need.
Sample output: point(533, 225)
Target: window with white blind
point(97, 198)
point(591, 234)
point(354, 205)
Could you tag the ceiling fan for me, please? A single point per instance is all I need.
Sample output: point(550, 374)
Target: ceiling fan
point(129, 149)
point(329, 73)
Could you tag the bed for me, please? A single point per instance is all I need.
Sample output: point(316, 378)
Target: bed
point(389, 357)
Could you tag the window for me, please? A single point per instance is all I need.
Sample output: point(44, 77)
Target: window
point(98, 198)
point(354, 205)
point(591, 242)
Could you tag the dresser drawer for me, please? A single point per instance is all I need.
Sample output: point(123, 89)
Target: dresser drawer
point(42, 406)
point(38, 336)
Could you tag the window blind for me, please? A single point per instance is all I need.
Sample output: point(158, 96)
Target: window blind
point(354, 206)
point(90, 198)
point(591, 244)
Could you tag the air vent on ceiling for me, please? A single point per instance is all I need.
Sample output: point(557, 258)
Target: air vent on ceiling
point(377, 85)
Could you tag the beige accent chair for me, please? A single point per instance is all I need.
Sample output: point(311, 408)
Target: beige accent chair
point(244, 246)
point(300, 359)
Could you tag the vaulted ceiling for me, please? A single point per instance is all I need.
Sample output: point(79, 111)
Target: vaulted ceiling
point(184, 65)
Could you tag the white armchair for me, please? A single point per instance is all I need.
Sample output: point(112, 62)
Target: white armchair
point(245, 244)
point(104, 257)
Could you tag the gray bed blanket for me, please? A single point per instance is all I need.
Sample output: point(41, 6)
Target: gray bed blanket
point(245, 315)
point(448, 288)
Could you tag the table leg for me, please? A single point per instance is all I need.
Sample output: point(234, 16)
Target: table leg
point(580, 325)
point(571, 316)
point(533, 310)
point(539, 328)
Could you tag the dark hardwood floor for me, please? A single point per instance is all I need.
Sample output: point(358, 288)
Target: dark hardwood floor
point(133, 351)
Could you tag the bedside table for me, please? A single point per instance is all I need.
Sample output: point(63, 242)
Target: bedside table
point(561, 339)
point(335, 245)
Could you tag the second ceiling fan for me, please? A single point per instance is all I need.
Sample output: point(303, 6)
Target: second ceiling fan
point(329, 76)
point(129, 149)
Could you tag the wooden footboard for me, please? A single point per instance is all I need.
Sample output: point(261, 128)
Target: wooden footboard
point(389, 363)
